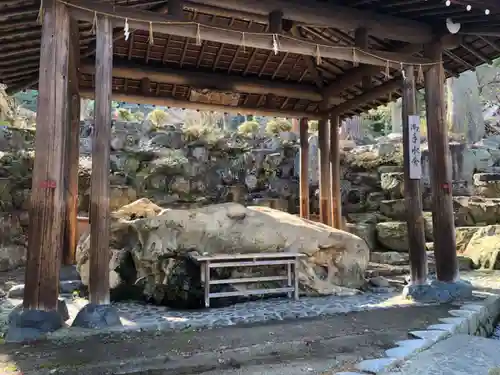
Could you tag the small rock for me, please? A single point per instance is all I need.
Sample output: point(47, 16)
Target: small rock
point(97, 317)
point(379, 281)
point(390, 257)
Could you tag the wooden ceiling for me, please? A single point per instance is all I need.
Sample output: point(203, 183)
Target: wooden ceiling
point(20, 48)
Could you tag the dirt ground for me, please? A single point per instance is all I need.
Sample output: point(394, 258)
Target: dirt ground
point(338, 342)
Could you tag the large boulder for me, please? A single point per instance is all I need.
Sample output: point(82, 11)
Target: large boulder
point(158, 241)
point(484, 248)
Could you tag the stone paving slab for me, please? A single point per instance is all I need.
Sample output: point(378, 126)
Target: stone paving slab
point(150, 317)
point(457, 355)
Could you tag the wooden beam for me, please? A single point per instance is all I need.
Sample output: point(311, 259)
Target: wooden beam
point(355, 76)
point(234, 37)
point(46, 213)
point(72, 150)
point(336, 198)
point(177, 103)
point(493, 31)
point(176, 9)
point(367, 97)
point(413, 197)
point(304, 168)
point(99, 188)
point(442, 206)
point(326, 14)
point(325, 188)
point(203, 80)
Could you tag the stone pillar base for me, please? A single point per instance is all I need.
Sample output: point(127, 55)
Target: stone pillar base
point(32, 325)
point(97, 317)
point(438, 291)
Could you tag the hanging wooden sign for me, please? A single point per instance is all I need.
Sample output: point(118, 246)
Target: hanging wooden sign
point(415, 156)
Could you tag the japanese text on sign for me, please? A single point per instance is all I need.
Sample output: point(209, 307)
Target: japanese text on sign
point(415, 157)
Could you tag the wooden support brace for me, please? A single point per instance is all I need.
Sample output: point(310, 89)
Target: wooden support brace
point(176, 9)
point(46, 214)
point(361, 41)
point(276, 22)
point(413, 198)
point(99, 189)
point(304, 168)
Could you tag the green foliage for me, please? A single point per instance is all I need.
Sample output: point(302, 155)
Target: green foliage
point(124, 115)
point(278, 125)
point(158, 117)
point(208, 135)
point(138, 116)
point(377, 120)
point(249, 127)
point(313, 126)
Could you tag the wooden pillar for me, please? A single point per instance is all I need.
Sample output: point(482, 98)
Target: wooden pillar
point(325, 188)
point(72, 148)
point(304, 168)
point(99, 190)
point(442, 206)
point(361, 41)
point(413, 198)
point(336, 199)
point(46, 214)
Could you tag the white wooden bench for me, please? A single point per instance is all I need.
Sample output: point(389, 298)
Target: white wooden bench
point(208, 262)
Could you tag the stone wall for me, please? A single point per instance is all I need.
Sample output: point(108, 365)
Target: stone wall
point(176, 167)
point(189, 167)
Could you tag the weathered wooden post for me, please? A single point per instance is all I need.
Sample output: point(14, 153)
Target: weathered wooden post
point(441, 184)
point(99, 190)
point(47, 208)
point(412, 171)
point(99, 313)
point(336, 198)
point(45, 237)
point(304, 168)
point(325, 188)
point(72, 149)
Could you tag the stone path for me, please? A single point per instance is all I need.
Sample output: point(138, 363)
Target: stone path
point(458, 355)
point(345, 338)
point(143, 316)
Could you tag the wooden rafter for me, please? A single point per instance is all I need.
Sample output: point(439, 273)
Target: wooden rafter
point(229, 36)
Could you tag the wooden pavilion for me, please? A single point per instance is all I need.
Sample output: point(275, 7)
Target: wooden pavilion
point(316, 59)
